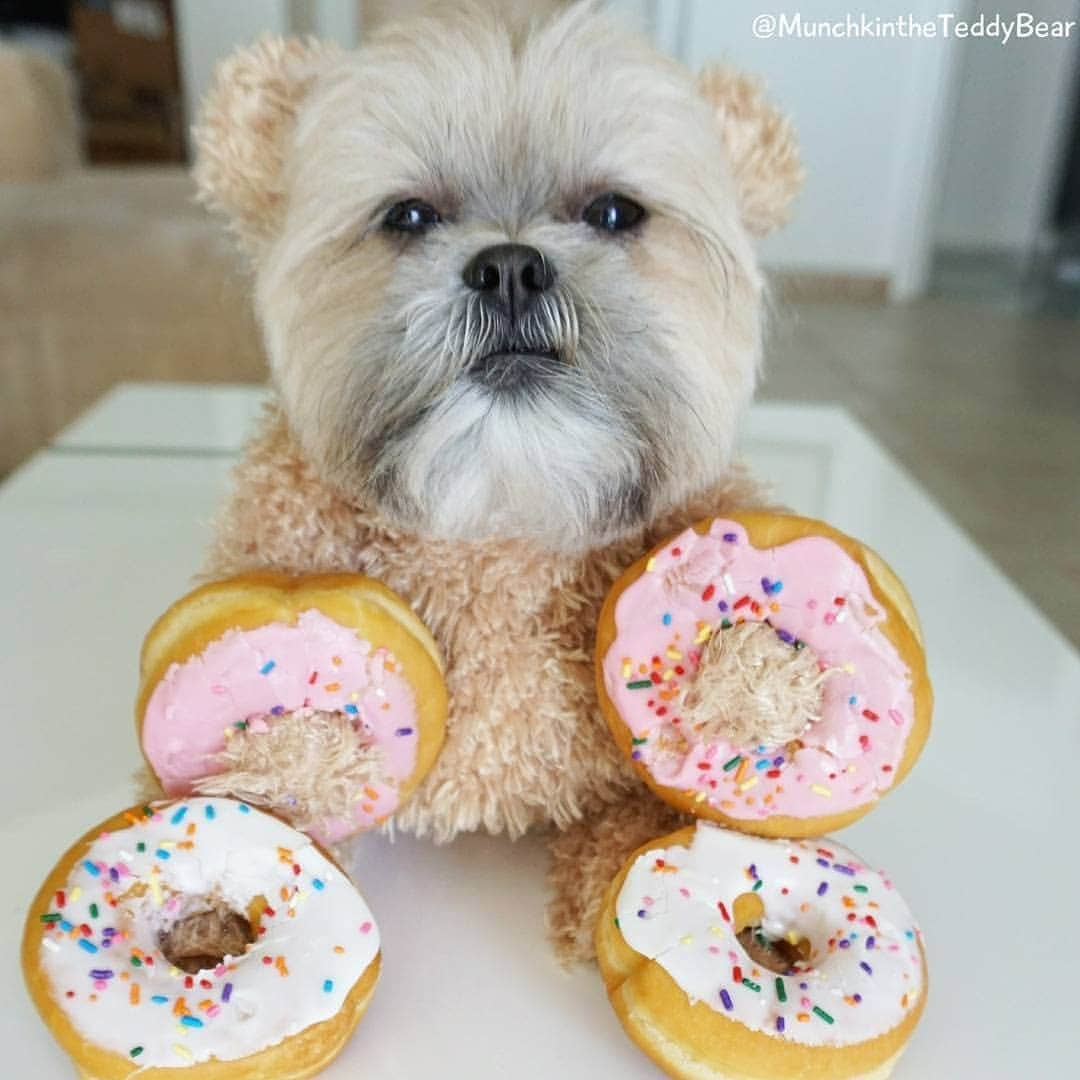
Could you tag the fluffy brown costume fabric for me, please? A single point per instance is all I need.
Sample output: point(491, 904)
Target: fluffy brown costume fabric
point(300, 146)
point(526, 745)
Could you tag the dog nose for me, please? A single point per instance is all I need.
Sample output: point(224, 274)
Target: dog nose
point(511, 276)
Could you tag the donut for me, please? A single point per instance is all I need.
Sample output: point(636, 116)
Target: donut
point(321, 698)
point(735, 956)
point(203, 935)
point(764, 671)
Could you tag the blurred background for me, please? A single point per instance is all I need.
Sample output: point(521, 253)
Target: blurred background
point(929, 281)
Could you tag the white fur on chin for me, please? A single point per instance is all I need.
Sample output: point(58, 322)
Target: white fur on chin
point(525, 468)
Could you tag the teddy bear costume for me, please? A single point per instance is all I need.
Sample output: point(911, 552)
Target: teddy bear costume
point(526, 744)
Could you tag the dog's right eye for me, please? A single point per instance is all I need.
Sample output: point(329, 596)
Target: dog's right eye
point(411, 216)
point(612, 212)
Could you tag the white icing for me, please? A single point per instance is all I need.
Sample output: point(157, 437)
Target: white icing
point(236, 854)
point(669, 910)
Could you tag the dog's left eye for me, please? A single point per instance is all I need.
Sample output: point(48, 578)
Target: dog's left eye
point(411, 216)
point(612, 212)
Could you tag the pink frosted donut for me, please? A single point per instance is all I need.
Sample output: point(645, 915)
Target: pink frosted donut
point(320, 698)
point(765, 671)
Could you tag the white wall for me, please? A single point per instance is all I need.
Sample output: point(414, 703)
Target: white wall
point(1005, 135)
point(208, 30)
point(870, 115)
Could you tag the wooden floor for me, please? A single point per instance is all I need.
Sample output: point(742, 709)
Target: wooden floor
point(118, 275)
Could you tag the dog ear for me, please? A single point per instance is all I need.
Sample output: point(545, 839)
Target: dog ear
point(244, 126)
point(761, 147)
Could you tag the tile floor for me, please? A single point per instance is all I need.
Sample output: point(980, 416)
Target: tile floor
point(110, 276)
point(982, 407)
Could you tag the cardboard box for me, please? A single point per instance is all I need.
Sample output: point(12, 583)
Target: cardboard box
point(126, 59)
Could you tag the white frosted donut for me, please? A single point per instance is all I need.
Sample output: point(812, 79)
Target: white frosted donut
point(826, 978)
point(94, 953)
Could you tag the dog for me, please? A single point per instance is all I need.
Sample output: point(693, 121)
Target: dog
point(506, 280)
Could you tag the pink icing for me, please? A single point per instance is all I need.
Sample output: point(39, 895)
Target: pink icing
point(249, 675)
point(811, 591)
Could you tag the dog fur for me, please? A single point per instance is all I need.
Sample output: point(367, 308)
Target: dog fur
point(503, 519)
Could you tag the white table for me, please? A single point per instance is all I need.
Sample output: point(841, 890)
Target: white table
point(100, 532)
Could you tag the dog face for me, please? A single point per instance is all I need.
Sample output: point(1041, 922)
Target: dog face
point(505, 279)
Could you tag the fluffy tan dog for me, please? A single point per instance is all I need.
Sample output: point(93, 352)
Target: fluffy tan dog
point(508, 290)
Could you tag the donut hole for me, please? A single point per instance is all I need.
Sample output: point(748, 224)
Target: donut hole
point(308, 765)
point(747, 909)
point(781, 955)
point(204, 937)
point(754, 687)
